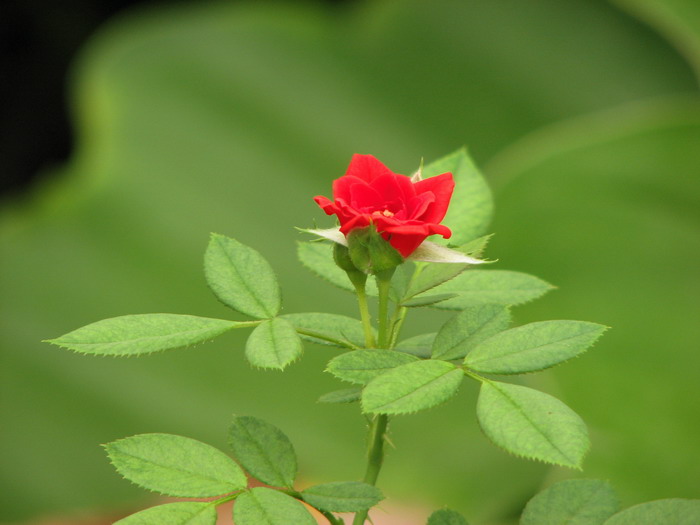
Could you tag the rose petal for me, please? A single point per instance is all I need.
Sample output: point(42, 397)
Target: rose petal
point(442, 187)
point(366, 167)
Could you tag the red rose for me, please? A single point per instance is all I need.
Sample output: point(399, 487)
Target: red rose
point(403, 212)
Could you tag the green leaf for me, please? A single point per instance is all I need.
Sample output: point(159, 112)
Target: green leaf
point(346, 395)
point(531, 424)
point(263, 450)
point(335, 326)
point(430, 275)
point(469, 328)
point(418, 345)
point(572, 502)
point(273, 344)
point(263, 506)
point(476, 247)
point(181, 513)
point(342, 496)
point(477, 287)
point(318, 258)
point(428, 300)
point(142, 334)
point(673, 511)
point(175, 466)
point(412, 387)
point(471, 206)
point(241, 278)
point(533, 347)
point(361, 366)
point(446, 517)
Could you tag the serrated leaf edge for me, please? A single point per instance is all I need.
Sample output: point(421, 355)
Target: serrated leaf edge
point(577, 466)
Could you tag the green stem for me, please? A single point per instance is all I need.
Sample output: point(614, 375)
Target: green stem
point(375, 457)
point(365, 315)
point(384, 328)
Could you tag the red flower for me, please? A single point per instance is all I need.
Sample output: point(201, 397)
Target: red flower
point(403, 211)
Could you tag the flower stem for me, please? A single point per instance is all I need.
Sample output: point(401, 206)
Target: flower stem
point(364, 314)
point(384, 328)
point(375, 457)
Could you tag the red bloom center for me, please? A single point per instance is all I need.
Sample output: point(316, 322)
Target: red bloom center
point(403, 211)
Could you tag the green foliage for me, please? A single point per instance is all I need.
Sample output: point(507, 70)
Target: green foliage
point(467, 329)
point(142, 334)
point(181, 513)
point(340, 327)
point(427, 300)
point(428, 276)
point(316, 256)
point(346, 395)
point(241, 278)
point(475, 287)
point(273, 344)
point(175, 466)
point(533, 347)
point(263, 450)
point(361, 366)
point(673, 511)
point(446, 517)
point(342, 496)
point(572, 502)
point(263, 506)
point(412, 387)
point(471, 206)
point(531, 424)
point(419, 345)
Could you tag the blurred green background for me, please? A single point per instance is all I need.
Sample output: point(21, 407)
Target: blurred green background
point(229, 117)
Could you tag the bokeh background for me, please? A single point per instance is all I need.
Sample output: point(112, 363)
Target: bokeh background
point(229, 117)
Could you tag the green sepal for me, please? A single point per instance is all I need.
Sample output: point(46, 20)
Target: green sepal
point(575, 501)
point(533, 347)
point(175, 466)
point(346, 395)
point(361, 366)
point(264, 506)
point(370, 253)
point(263, 450)
point(446, 517)
point(531, 424)
point(241, 278)
point(273, 344)
point(143, 333)
point(342, 496)
point(674, 511)
point(180, 513)
point(412, 387)
point(467, 329)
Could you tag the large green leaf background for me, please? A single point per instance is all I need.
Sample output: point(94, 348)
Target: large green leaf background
point(229, 118)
